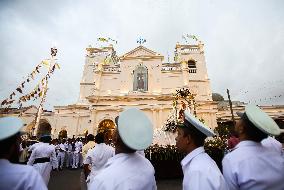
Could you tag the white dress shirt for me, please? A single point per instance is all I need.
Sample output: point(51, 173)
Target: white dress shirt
point(272, 144)
point(32, 147)
point(97, 157)
point(86, 148)
point(254, 167)
point(126, 171)
point(201, 172)
point(19, 177)
point(44, 150)
point(62, 147)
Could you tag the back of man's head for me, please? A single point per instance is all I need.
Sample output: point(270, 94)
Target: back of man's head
point(9, 148)
point(251, 131)
point(99, 138)
point(45, 139)
point(90, 137)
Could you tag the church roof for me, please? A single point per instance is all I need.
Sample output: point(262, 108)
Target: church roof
point(141, 52)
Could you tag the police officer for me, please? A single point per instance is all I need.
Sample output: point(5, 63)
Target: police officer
point(15, 176)
point(251, 165)
point(200, 171)
point(128, 169)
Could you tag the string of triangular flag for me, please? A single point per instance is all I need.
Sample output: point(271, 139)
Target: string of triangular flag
point(37, 91)
point(186, 37)
point(101, 39)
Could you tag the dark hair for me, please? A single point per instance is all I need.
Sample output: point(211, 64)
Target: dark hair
point(6, 144)
point(90, 137)
point(116, 120)
point(123, 146)
point(45, 138)
point(197, 136)
point(99, 138)
point(24, 144)
point(252, 132)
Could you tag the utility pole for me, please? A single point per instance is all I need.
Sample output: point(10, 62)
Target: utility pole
point(230, 103)
point(43, 95)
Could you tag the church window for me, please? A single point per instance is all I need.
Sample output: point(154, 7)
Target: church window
point(140, 82)
point(191, 66)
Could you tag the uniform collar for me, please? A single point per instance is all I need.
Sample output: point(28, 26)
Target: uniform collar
point(116, 157)
point(191, 155)
point(4, 161)
point(247, 143)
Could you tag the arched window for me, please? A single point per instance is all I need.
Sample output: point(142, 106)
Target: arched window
point(140, 82)
point(191, 66)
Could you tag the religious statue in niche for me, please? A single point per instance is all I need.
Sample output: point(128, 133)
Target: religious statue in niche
point(140, 81)
point(181, 111)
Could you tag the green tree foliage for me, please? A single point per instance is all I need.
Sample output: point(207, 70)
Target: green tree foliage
point(217, 97)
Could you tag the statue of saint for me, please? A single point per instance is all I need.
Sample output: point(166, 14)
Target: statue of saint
point(140, 81)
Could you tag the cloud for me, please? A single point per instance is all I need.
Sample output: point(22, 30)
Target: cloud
point(243, 40)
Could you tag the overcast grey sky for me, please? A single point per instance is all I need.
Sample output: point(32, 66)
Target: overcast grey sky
point(244, 40)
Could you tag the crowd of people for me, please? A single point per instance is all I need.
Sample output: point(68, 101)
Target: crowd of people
point(255, 160)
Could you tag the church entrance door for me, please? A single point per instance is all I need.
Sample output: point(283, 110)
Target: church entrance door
point(107, 127)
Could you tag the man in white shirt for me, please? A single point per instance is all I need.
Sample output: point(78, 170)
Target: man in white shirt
point(43, 158)
point(251, 165)
point(15, 176)
point(200, 171)
point(69, 155)
point(128, 169)
point(61, 154)
point(32, 147)
point(89, 145)
point(97, 157)
point(77, 149)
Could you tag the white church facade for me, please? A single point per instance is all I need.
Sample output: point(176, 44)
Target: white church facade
point(140, 78)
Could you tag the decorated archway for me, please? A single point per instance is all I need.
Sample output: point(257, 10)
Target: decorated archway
point(187, 102)
point(44, 128)
point(106, 127)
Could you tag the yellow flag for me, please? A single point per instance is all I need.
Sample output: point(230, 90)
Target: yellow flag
point(102, 39)
point(57, 66)
point(107, 60)
point(45, 63)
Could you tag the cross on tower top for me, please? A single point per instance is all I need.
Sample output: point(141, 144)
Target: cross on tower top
point(141, 40)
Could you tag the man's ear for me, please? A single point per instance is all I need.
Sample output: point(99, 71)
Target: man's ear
point(241, 129)
point(188, 139)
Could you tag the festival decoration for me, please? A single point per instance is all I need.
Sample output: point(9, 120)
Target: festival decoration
point(37, 91)
point(217, 146)
point(175, 117)
point(109, 58)
point(159, 152)
point(186, 37)
point(176, 57)
point(106, 40)
point(171, 123)
point(43, 90)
